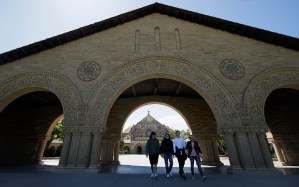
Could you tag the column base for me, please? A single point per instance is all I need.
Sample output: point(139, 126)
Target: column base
point(209, 163)
point(76, 170)
point(109, 162)
point(237, 170)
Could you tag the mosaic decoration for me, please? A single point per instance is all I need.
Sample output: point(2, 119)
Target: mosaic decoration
point(232, 69)
point(89, 71)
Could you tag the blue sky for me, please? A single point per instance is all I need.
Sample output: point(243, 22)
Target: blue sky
point(27, 21)
point(162, 113)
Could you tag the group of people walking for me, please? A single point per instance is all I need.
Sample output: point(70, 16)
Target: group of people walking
point(170, 148)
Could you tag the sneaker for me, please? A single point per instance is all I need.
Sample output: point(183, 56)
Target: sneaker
point(167, 176)
point(156, 176)
point(152, 175)
point(203, 178)
point(184, 177)
point(170, 174)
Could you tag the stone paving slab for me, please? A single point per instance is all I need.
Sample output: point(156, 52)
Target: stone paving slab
point(141, 180)
point(137, 175)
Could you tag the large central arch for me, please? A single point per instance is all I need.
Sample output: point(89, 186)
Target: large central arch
point(220, 100)
point(194, 110)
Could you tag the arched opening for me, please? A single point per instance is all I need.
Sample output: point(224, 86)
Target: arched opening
point(25, 122)
point(281, 114)
point(139, 150)
point(174, 94)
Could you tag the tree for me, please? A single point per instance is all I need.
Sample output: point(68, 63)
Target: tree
point(221, 144)
point(185, 134)
point(57, 133)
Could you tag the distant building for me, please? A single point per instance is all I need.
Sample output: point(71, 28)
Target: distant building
point(135, 136)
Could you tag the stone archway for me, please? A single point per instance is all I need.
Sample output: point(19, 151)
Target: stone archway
point(268, 83)
point(219, 98)
point(260, 88)
point(57, 84)
point(65, 91)
point(197, 114)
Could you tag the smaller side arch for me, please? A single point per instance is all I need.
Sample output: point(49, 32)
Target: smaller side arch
point(42, 80)
point(260, 88)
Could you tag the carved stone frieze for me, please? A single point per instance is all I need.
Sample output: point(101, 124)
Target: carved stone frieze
point(86, 130)
point(262, 86)
point(243, 129)
point(212, 87)
point(57, 84)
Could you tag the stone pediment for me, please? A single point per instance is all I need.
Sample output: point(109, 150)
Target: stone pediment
point(212, 22)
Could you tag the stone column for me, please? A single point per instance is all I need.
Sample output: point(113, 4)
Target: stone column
point(209, 149)
point(73, 153)
point(256, 150)
point(265, 150)
point(277, 148)
point(41, 144)
point(84, 149)
point(245, 152)
point(110, 151)
point(116, 151)
point(65, 148)
point(216, 153)
point(104, 148)
point(232, 151)
point(204, 150)
point(95, 150)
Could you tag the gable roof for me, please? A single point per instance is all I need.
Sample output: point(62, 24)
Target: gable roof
point(232, 27)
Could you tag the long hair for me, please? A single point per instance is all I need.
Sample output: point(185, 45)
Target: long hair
point(168, 135)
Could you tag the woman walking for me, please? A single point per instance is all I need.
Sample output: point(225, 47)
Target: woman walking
point(194, 153)
point(166, 151)
point(152, 150)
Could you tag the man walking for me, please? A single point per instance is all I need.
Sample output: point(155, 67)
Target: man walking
point(179, 146)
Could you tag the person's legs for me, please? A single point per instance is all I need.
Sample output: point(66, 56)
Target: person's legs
point(181, 160)
point(166, 163)
point(192, 164)
point(198, 162)
point(152, 161)
point(170, 163)
point(155, 162)
point(181, 165)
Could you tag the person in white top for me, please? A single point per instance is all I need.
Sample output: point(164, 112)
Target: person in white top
point(179, 146)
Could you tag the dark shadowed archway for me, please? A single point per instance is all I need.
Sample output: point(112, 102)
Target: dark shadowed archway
point(24, 125)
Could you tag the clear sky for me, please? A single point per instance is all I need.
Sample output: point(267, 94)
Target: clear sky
point(24, 22)
point(162, 113)
point(27, 21)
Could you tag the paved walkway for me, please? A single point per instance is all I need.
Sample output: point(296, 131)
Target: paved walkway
point(134, 172)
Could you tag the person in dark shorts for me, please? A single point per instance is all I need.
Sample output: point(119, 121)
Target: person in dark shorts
point(152, 151)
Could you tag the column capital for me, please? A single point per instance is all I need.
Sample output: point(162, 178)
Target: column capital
point(83, 129)
point(244, 129)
